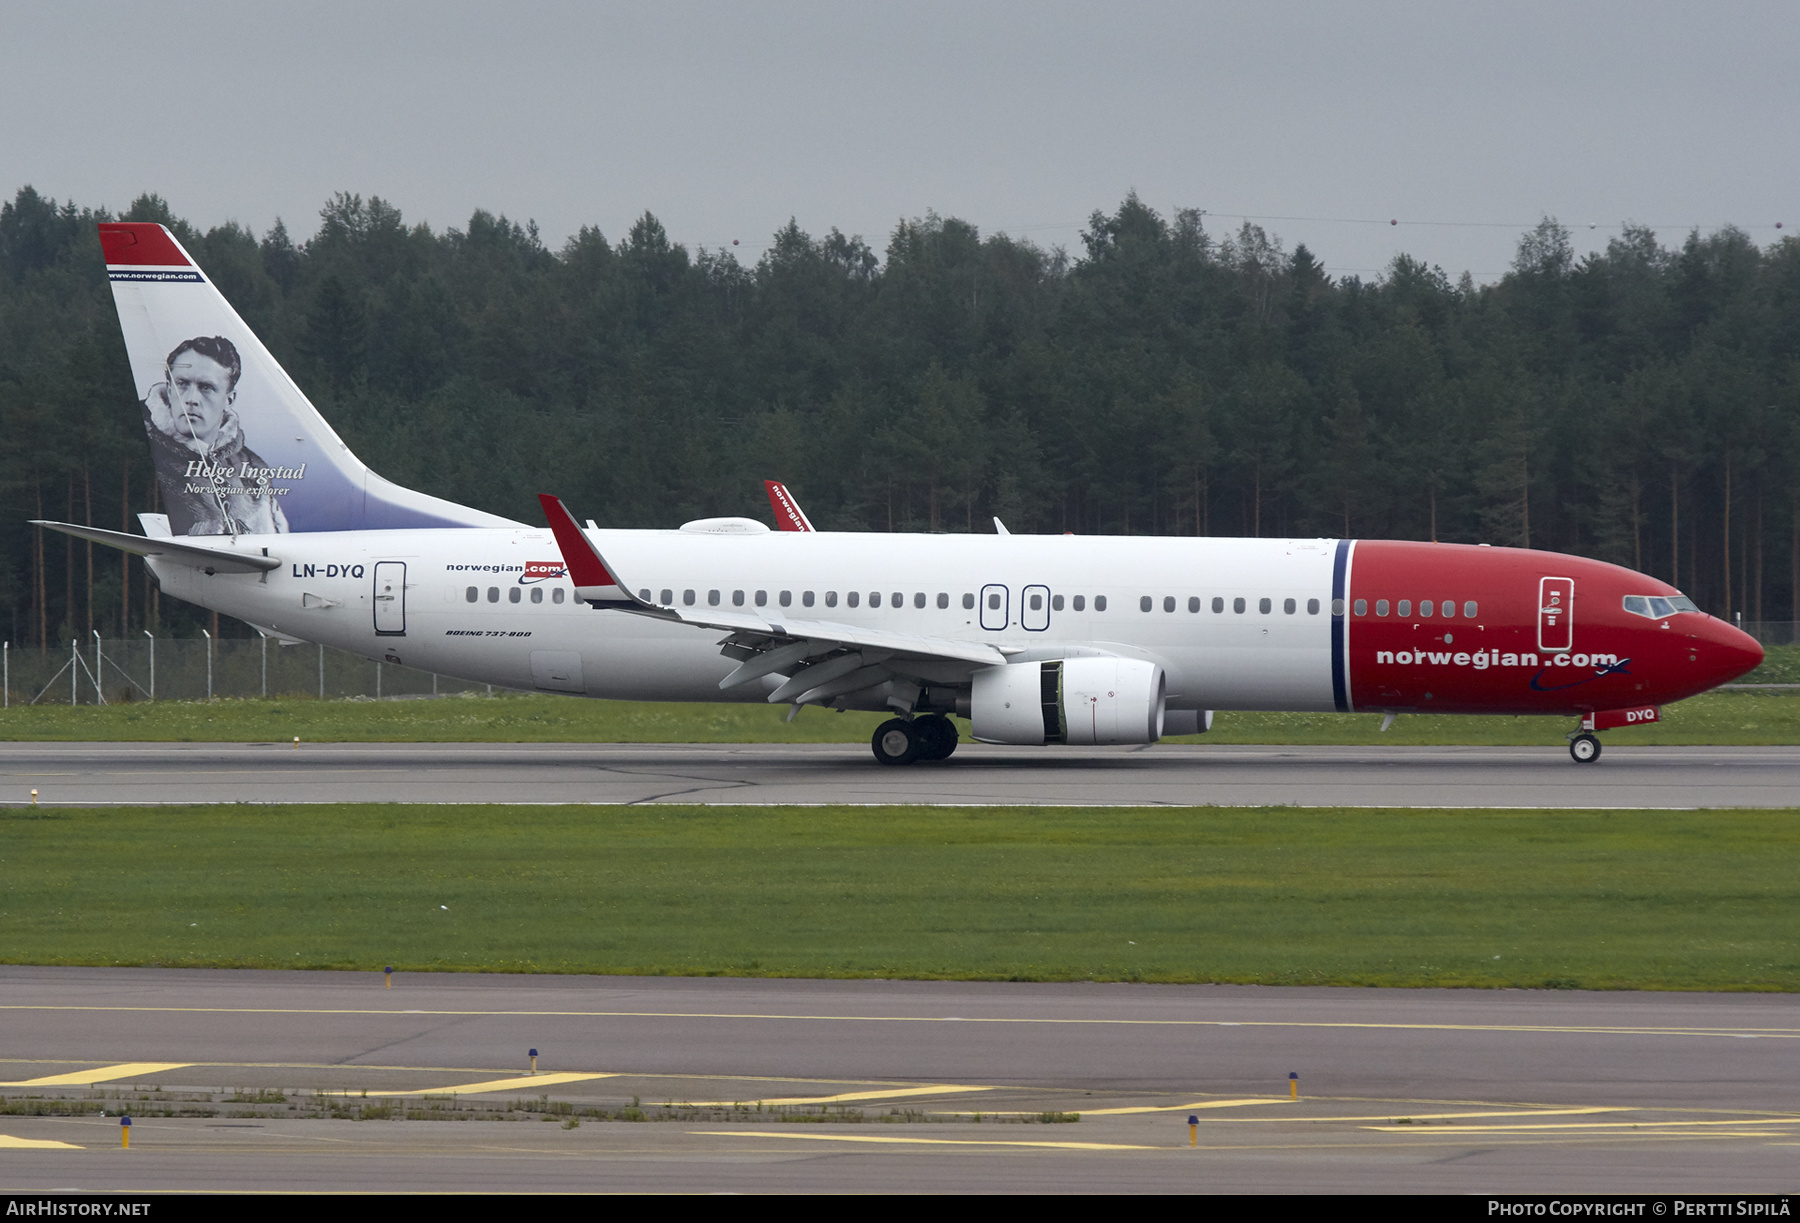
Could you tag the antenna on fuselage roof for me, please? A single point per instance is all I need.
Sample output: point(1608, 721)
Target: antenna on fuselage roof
point(1000, 527)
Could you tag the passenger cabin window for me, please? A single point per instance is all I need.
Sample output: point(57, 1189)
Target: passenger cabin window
point(737, 598)
point(787, 598)
point(644, 595)
point(994, 601)
point(1265, 606)
point(1312, 607)
point(1099, 602)
point(1144, 603)
point(1168, 603)
point(1056, 602)
point(493, 594)
point(762, 598)
point(1405, 608)
point(874, 598)
point(1469, 610)
point(897, 599)
point(1218, 605)
point(1424, 608)
point(556, 596)
point(537, 594)
point(475, 593)
point(806, 598)
point(852, 599)
point(1362, 607)
point(712, 598)
point(968, 602)
point(1080, 602)
point(919, 599)
point(512, 594)
point(1381, 607)
point(1037, 602)
point(687, 597)
point(668, 599)
point(943, 600)
point(1287, 607)
point(1237, 605)
point(831, 598)
point(1194, 603)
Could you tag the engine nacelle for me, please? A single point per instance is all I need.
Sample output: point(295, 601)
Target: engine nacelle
point(1069, 700)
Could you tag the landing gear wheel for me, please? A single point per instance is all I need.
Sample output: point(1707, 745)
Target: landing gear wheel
point(896, 742)
point(937, 736)
point(1584, 748)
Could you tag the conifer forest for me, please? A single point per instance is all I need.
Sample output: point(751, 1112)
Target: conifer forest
point(1640, 405)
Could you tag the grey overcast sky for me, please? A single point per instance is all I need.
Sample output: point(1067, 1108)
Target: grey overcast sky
point(1463, 121)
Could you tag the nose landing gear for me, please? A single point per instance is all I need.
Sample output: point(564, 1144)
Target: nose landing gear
point(1584, 747)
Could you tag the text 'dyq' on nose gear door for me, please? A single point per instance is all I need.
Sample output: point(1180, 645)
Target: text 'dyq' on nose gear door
point(390, 599)
point(1556, 614)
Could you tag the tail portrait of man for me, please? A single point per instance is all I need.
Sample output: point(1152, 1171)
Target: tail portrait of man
point(212, 482)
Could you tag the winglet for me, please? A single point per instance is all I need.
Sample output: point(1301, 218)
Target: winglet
point(594, 581)
point(788, 514)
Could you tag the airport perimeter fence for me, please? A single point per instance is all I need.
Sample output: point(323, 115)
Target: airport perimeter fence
point(116, 670)
point(1773, 632)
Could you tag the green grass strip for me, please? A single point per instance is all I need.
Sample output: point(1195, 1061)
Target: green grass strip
point(1621, 899)
point(1766, 717)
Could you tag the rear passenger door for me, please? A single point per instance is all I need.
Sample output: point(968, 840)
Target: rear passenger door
point(390, 599)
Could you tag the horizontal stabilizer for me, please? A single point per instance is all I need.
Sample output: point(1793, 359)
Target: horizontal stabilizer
point(208, 557)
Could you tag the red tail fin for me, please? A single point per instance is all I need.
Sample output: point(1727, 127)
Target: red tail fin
point(788, 514)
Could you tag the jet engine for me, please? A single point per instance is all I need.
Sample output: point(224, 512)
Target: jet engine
point(1069, 700)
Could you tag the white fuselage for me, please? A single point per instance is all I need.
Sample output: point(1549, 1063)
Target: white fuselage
point(464, 604)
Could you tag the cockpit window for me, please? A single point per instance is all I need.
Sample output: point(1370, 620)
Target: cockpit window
point(1658, 607)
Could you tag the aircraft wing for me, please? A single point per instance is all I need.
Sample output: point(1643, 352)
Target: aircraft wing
point(213, 558)
point(820, 659)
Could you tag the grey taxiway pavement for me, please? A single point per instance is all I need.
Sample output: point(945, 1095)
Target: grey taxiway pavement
point(1677, 777)
point(1398, 1090)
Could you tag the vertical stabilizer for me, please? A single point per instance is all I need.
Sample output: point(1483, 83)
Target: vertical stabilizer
point(239, 450)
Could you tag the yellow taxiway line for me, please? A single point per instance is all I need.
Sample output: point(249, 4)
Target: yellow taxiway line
point(896, 1093)
point(927, 1142)
point(9, 1143)
point(520, 1083)
point(1187, 1108)
point(101, 1074)
point(1565, 1126)
point(1509, 1112)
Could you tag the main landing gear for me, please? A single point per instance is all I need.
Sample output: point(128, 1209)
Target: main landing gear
point(898, 741)
point(1585, 748)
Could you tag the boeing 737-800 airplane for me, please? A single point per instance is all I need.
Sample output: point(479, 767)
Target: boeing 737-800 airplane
point(1035, 639)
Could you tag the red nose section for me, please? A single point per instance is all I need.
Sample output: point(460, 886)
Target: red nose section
point(1721, 653)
